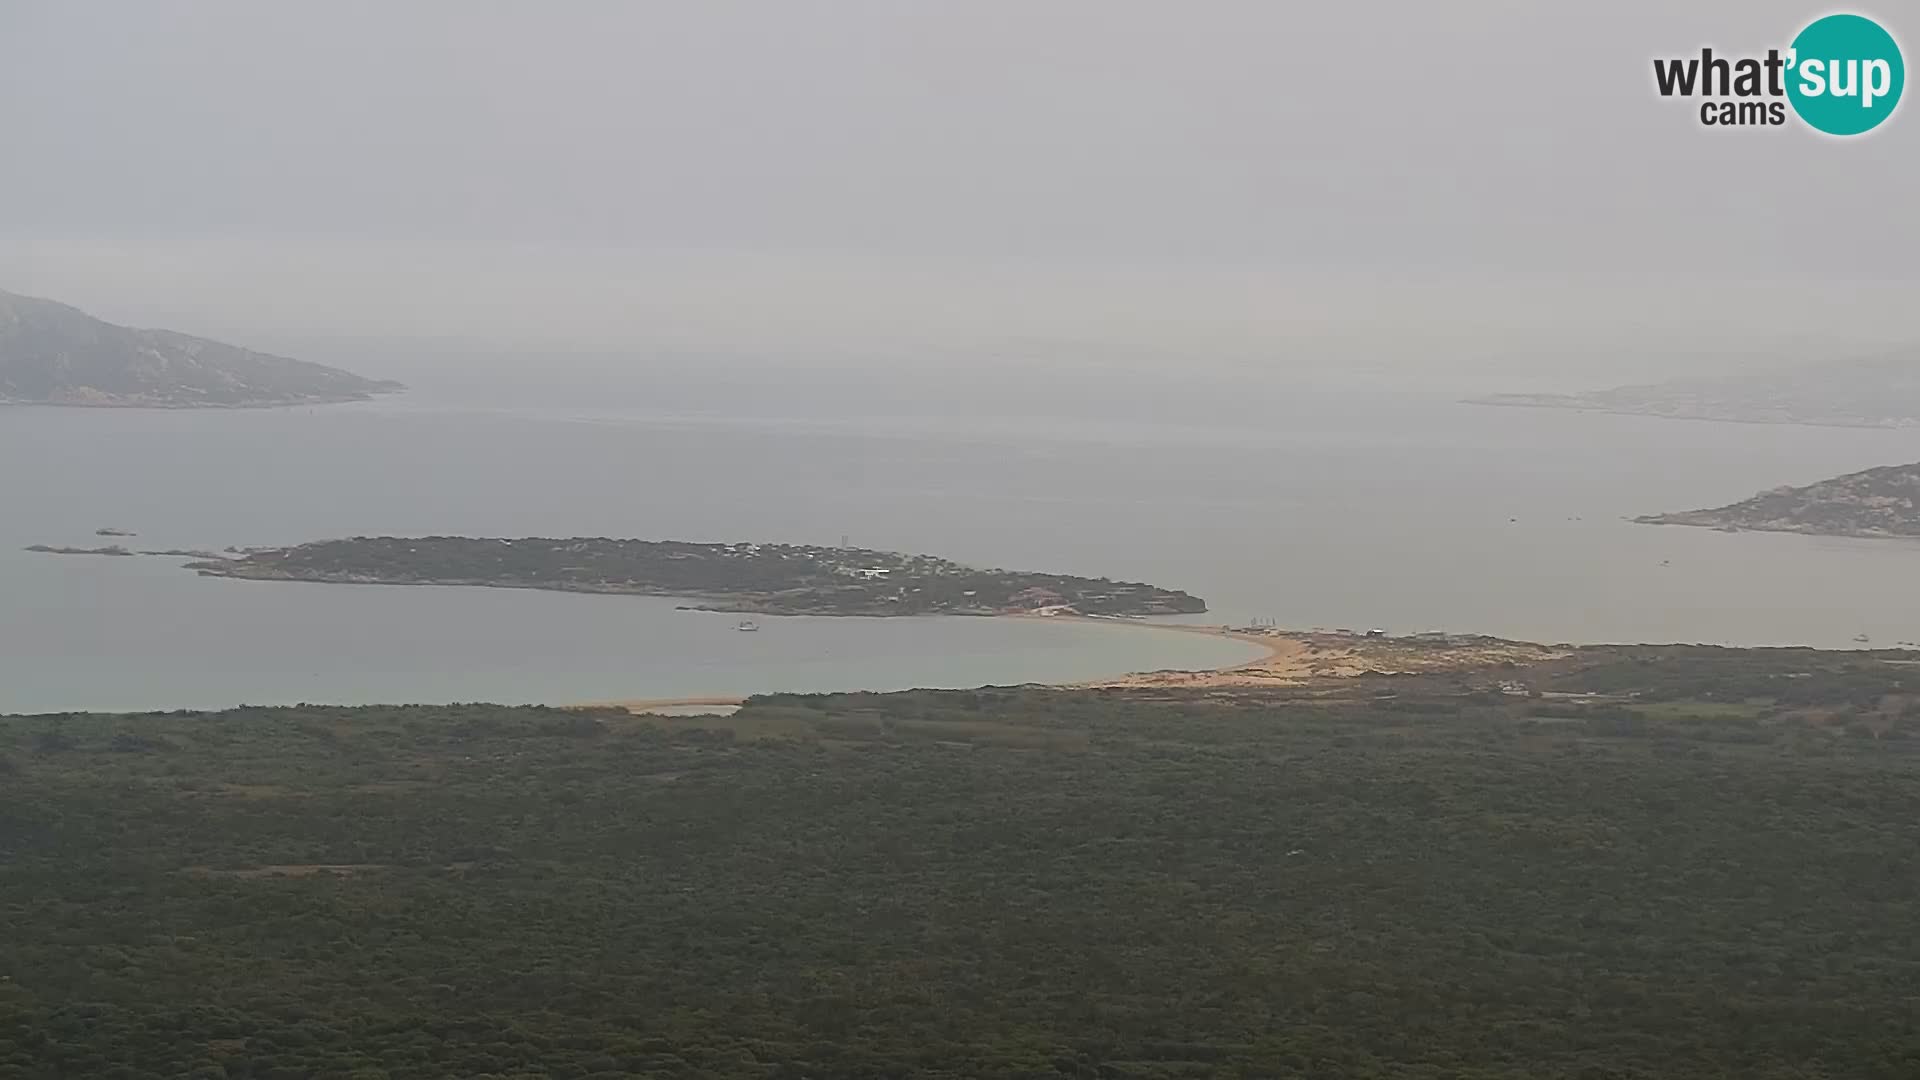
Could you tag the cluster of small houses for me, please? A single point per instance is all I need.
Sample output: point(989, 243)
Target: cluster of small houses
point(1033, 600)
point(1268, 628)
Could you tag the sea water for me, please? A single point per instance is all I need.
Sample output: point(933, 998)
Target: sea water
point(1352, 509)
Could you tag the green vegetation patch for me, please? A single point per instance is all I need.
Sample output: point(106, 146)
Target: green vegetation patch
point(961, 884)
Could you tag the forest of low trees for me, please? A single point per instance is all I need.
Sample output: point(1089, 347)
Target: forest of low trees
point(1392, 883)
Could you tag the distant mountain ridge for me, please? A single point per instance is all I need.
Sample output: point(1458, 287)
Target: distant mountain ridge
point(53, 354)
point(1883, 501)
point(1879, 391)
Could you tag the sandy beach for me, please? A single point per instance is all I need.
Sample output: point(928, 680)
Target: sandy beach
point(1293, 658)
point(1296, 657)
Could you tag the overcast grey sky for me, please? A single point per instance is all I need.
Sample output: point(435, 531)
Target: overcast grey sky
point(606, 170)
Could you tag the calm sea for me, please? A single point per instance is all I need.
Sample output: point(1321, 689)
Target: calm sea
point(1337, 509)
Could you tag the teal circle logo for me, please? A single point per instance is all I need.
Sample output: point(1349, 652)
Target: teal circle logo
point(1845, 74)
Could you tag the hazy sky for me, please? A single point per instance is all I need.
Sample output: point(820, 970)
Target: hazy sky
point(602, 171)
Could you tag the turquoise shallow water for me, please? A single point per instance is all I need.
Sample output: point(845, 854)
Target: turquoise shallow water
point(1411, 513)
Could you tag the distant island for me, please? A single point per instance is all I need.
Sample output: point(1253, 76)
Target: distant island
point(771, 579)
point(52, 354)
point(116, 549)
point(1881, 502)
point(1881, 391)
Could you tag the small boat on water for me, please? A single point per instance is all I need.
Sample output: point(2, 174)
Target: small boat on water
point(746, 625)
point(1861, 638)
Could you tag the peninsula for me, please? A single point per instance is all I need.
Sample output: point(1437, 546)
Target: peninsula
point(52, 354)
point(1880, 502)
point(771, 579)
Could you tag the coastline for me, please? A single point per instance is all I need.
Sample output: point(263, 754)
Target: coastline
point(1729, 526)
point(176, 406)
point(733, 606)
point(713, 602)
point(1298, 657)
point(1279, 652)
point(1293, 658)
point(1283, 658)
